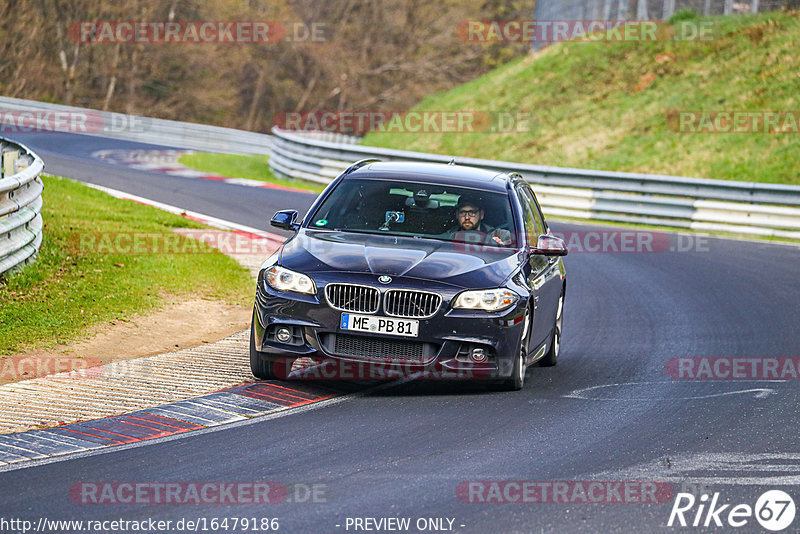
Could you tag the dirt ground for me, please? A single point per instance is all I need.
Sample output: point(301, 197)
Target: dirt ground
point(180, 325)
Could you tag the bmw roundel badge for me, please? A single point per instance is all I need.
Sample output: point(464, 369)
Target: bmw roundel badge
point(384, 279)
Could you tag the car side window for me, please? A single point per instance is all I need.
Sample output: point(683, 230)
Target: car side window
point(537, 211)
point(528, 213)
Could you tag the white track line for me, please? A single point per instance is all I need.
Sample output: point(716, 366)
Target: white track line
point(207, 219)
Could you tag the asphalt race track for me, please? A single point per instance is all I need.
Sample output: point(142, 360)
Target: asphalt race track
point(610, 411)
point(70, 155)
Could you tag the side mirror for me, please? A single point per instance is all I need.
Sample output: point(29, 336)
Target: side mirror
point(549, 245)
point(285, 219)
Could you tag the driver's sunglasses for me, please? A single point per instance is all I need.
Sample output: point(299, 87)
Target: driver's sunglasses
point(471, 213)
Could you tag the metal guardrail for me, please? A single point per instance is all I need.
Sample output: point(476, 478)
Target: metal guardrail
point(671, 201)
point(135, 128)
point(649, 9)
point(20, 205)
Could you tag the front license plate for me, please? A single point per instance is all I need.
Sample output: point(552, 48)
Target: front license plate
point(380, 325)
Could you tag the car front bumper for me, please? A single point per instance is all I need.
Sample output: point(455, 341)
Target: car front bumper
point(440, 351)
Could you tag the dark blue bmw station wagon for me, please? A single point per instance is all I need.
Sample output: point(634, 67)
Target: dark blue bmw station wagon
point(440, 270)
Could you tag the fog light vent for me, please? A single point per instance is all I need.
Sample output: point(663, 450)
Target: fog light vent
point(286, 335)
point(474, 353)
point(283, 335)
point(478, 355)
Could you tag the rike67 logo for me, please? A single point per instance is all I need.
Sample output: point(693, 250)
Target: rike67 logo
point(774, 510)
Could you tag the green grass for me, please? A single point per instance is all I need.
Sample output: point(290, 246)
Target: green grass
point(613, 105)
point(235, 166)
point(67, 290)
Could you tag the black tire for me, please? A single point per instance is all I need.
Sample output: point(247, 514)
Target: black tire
point(517, 379)
point(551, 358)
point(259, 365)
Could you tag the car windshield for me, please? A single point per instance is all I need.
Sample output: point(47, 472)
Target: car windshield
point(422, 210)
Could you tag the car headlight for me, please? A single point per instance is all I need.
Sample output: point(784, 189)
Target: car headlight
point(486, 299)
point(282, 279)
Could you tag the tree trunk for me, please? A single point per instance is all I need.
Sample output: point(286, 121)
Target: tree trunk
point(129, 105)
point(669, 9)
point(641, 10)
point(622, 10)
point(606, 9)
point(69, 71)
point(112, 83)
point(251, 115)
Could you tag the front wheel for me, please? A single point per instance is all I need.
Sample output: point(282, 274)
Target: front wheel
point(517, 379)
point(551, 358)
point(259, 365)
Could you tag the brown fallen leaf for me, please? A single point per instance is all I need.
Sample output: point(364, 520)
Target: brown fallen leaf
point(664, 58)
point(644, 82)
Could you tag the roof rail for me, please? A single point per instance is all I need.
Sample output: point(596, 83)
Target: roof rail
point(358, 164)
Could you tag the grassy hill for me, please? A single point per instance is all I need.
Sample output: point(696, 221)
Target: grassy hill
point(615, 105)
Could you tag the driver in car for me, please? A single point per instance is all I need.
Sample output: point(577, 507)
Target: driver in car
point(472, 228)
